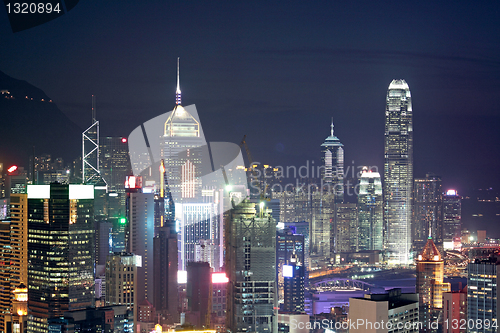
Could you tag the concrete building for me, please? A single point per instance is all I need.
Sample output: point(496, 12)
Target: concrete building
point(391, 312)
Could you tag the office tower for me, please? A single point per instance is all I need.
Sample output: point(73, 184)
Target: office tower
point(250, 267)
point(140, 208)
point(452, 218)
point(483, 294)
point(60, 251)
point(344, 230)
point(90, 150)
point(119, 227)
point(114, 167)
point(114, 162)
point(19, 239)
point(5, 287)
point(290, 253)
point(429, 285)
point(121, 280)
point(323, 214)
point(301, 228)
point(195, 225)
point(427, 212)
point(103, 230)
point(16, 180)
point(165, 257)
point(398, 172)
point(391, 312)
point(199, 280)
point(219, 301)
point(370, 212)
point(181, 150)
point(332, 156)
point(293, 286)
point(455, 311)
point(13, 256)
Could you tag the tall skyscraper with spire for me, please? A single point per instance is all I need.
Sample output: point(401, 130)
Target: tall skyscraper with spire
point(398, 172)
point(332, 156)
point(181, 150)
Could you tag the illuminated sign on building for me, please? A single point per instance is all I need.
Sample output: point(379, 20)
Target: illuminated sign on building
point(287, 271)
point(219, 278)
point(133, 182)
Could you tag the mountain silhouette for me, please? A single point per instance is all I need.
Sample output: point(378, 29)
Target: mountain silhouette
point(28, 117)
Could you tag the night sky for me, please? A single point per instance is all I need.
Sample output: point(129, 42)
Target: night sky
point(278, 73)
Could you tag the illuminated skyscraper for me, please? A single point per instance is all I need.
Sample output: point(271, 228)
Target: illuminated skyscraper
point(332, 156)
point(181, 148)
point(483, 295)
point(60, 251)
point(427, 212)
point(90, 150)
point(398, 172)
point(114, 167)
point(452, 218)
point(370, 213)
point(121, 281)
point(429, 285)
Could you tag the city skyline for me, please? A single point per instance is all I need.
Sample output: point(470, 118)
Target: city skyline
point(238, 80)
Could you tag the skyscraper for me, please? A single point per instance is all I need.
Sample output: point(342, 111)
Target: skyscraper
point(114, 167)
point(290, 253)
point(345, 229)
point(427, 212)
point(250, 267)
point(140, 240)
point(332, 156)
point(370, 213)
point(165, 256)
point(181, 148)
point(483, 295)
point(60, 251)
point(121, 281)
point(398, 172)
point(429, 285)
point(452, 218)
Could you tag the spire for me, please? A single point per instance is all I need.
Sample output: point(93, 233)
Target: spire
point(178, 91)
point(332, 127)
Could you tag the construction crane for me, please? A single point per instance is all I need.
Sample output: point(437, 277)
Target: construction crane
point(254, 173)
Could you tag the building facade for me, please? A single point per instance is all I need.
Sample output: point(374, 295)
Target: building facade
point(427, 212)
point(482, 294)
point(398, 172)
point(370, 212)
point(250, 267)
point(452, 218)
point(60, 251)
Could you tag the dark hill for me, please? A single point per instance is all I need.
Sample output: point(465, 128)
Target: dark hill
point(29, 118)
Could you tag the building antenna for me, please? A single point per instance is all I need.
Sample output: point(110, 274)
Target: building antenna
point(93, 109)
point(332, 127)
point(178, 91)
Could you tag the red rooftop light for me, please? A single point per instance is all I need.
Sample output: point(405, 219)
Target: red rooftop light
point(124, 140)
point(12, 168)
